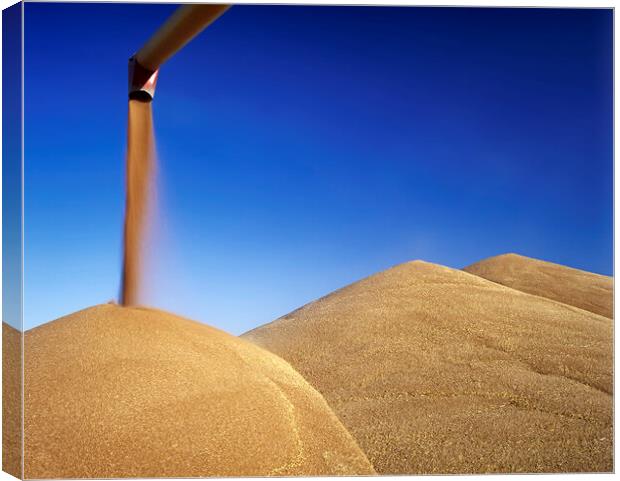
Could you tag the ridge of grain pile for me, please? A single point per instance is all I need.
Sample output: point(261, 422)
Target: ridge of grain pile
point(435, 370)
point(586, 290)
point(135, 392)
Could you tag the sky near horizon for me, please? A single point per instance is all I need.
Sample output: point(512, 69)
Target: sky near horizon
point(303, 148)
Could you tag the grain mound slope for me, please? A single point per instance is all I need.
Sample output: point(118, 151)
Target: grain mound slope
point(132, 392)
point(592, 292)
point(434, 370)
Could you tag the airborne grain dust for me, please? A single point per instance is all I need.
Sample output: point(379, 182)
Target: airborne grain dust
point(140, 179)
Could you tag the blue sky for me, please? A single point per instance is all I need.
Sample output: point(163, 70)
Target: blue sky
point(11, 167)
point(303, 148)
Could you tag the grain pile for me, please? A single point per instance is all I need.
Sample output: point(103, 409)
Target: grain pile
point(434, 370)
point(132, 392)
point(139, 197)
point(11, 400)
point(592, 292)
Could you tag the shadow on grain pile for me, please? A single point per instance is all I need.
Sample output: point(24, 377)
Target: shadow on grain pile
point(435, 370)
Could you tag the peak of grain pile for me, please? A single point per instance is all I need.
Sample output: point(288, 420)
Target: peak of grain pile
point(435, 370)
point(586, 290)
point(133, 392)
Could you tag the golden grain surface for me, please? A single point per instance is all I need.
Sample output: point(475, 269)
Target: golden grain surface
point(119, 392)
point(11, 400)
point(586, 290)
point(435, 370)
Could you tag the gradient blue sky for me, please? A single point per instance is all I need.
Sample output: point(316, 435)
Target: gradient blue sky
point(303, 148)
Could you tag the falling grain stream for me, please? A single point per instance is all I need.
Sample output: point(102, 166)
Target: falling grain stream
point(139, 197)
point(185, 23)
